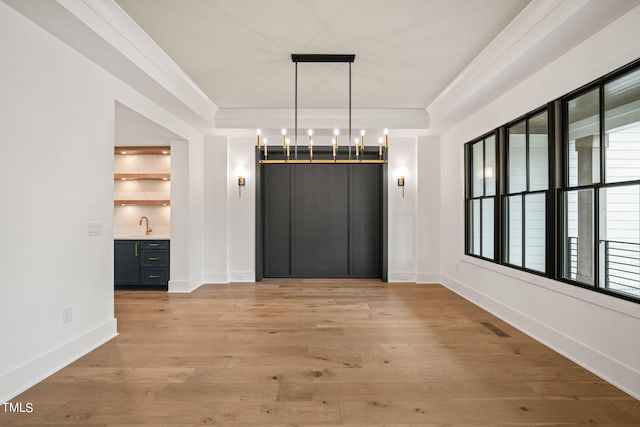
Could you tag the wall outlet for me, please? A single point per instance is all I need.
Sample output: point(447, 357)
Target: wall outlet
point(67, 314)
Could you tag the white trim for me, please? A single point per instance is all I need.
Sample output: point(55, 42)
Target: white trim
point(216, 277)
point(242, 277)
point(611, 370)
point(402, 276)
point(542, 32)
point(33, 371)
point(277, 118)
point(608, 302)
point(428, 278)
point(185, 286)
point(106, 35)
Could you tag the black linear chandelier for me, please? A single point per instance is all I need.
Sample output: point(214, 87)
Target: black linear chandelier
point(334, 153)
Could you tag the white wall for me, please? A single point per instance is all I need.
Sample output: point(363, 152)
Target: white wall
point(402, 210)
point(57, 119)
point(241, 225)
point(229, 220)
point(215, 210)
point(428, 210)
point(594, 330)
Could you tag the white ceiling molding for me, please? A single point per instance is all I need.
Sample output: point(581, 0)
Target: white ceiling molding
point(416, 120)
point(542, 32)
point(239, 52)
point(104, 33)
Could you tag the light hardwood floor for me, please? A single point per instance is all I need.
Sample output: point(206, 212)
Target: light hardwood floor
point(319, 352)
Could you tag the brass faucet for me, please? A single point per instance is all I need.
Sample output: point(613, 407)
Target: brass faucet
point(148, 230)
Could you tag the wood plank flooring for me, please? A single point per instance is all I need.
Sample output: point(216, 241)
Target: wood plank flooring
point(321, 353)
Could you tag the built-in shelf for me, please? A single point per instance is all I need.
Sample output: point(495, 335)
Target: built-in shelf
point(142, 150)
point(145, 176)
point(142, 202)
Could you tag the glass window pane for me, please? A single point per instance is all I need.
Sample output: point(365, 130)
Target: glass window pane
point(578, 236)
point(513, 221)
point(584, 139)
point(475, 227)
point(620, 239)
point(490, 165)
point(517, 163)
point(477, 186)
point(622, 128)
point(535, 231)
point(538, 153)
point(487, 227)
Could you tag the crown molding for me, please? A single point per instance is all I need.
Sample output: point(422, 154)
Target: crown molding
point(227, 120)
point(542, 32)
point(101, 31)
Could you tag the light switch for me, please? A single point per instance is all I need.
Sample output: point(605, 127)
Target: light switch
point(95, 229)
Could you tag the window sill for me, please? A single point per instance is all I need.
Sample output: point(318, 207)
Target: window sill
point(609, 302)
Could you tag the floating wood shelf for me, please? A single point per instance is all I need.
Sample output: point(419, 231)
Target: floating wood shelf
point(142, 202)
point(142, 150)
point(146, 176)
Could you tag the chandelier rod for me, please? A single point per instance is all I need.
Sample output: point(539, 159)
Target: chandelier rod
point(295, 57)
point(295, 138)
point(349, 110)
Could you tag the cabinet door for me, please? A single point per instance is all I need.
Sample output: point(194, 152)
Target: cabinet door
point(126, 264)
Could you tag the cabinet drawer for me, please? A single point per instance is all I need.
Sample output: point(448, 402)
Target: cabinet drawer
point(154, 258)
point(154, 276)
point(154, 244)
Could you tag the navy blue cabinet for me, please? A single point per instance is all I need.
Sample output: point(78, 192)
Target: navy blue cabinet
point(141, 263)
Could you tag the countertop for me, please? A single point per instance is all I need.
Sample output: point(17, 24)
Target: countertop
point(143, 237)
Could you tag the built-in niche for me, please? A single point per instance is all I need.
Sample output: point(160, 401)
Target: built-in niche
point(142, 188)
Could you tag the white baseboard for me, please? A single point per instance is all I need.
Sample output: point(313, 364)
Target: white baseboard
point(428, 278)
point(402, 276)
point(613, 371)
point(216, 277)
point(25, 376)
point(242, 276)
point(185, 286)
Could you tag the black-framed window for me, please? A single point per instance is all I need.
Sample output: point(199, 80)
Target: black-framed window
point(526, 192)
point(481, 196)
point(570, 213)
point(601, 185)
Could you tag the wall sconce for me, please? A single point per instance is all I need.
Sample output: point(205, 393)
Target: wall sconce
point(241, 179)
point(402, 172)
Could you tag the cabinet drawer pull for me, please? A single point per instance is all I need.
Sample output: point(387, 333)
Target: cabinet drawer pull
point(153, 258)
point(136, 248)
point(154, 276)
point(154, 244)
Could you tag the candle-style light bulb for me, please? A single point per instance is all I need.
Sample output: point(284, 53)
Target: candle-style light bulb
point(266, 140)
point(311, 149)
point(357, 147)
point(287, 142)
point(386, 138)
point(334, 143)
point(258, 133)
point(380, 148)
point(336, 132)
point(284, 136)
point(362, 138)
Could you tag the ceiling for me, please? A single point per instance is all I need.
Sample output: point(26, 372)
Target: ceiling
point(238, 51)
